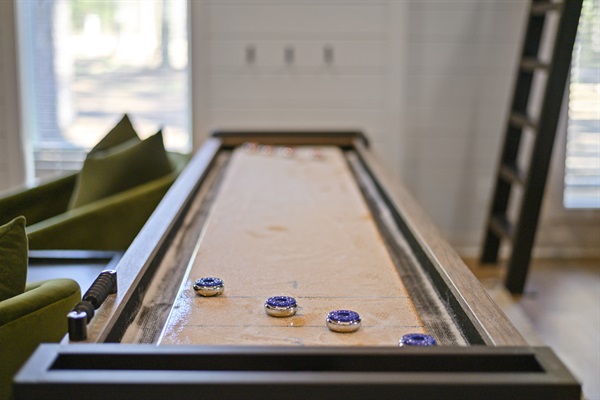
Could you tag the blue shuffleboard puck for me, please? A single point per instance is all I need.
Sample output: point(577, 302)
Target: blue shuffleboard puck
point(417, 339)
point(209, 286)
point(343, 321)
point(281, 306)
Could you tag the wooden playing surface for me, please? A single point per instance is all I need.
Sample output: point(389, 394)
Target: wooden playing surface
point(295, 226)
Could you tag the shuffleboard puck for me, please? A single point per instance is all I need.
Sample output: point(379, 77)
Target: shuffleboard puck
point(281, 306)
point(417, 339)
point(343, 321)
point(209, 286)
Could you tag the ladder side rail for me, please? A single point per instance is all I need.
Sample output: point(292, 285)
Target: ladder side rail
point(542, 151)
point(512, 136)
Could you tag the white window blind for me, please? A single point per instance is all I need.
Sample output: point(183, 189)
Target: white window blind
point(582, 164)
point(87, 62)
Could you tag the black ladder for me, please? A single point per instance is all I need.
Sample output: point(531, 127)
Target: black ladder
point(532, 178)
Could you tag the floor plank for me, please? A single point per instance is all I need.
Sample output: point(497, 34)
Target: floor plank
point(560, 308)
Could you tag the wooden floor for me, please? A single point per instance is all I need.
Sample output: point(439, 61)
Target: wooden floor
point(560, 308)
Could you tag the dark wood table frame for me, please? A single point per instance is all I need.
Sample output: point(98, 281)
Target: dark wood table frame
point(497, 363)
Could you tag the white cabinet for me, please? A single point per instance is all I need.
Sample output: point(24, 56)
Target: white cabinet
point(309, 55)
point(296, 19)
point(293, 64)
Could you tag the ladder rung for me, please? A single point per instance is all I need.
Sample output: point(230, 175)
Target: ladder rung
point(521, 121)
point(500, 225)
point(530, 64)
point(542, 7)
point(512, 173)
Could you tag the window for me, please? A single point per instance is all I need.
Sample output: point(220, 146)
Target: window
point(87, 62)
point(582, 165)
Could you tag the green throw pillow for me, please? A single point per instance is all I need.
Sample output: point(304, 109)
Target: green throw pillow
point(121, 133)
point(13, 258)
point(122, 167)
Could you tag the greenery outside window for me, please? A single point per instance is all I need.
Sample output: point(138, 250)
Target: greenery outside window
point(87, 62)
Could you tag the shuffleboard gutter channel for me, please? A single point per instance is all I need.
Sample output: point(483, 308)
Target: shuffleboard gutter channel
point(145, 253)
point(438, 318)
point(474, 332)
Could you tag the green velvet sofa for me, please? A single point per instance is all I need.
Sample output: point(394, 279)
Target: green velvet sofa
point(36, 316)
point(110, 223)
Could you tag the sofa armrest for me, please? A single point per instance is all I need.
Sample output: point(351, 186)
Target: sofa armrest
point(37, 316)
point(36, 299)
point(38, 203)
point(107, 224)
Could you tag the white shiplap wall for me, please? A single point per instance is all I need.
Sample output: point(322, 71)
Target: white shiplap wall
point(308, 92)
point(462, 58)
point(12, 160)
point(461, 62)
point(433, 79)
point(429, 82)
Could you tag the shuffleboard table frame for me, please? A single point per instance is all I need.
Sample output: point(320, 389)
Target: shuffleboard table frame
point(497, 364)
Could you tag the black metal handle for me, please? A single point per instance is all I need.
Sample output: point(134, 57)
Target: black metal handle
point(83, 312)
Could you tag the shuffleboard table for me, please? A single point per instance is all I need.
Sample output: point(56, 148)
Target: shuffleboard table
point(308, 215)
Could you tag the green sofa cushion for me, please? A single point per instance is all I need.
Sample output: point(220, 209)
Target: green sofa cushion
point(121, 133)
point(107, 224)
point(122, 167)
point(13, 258)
